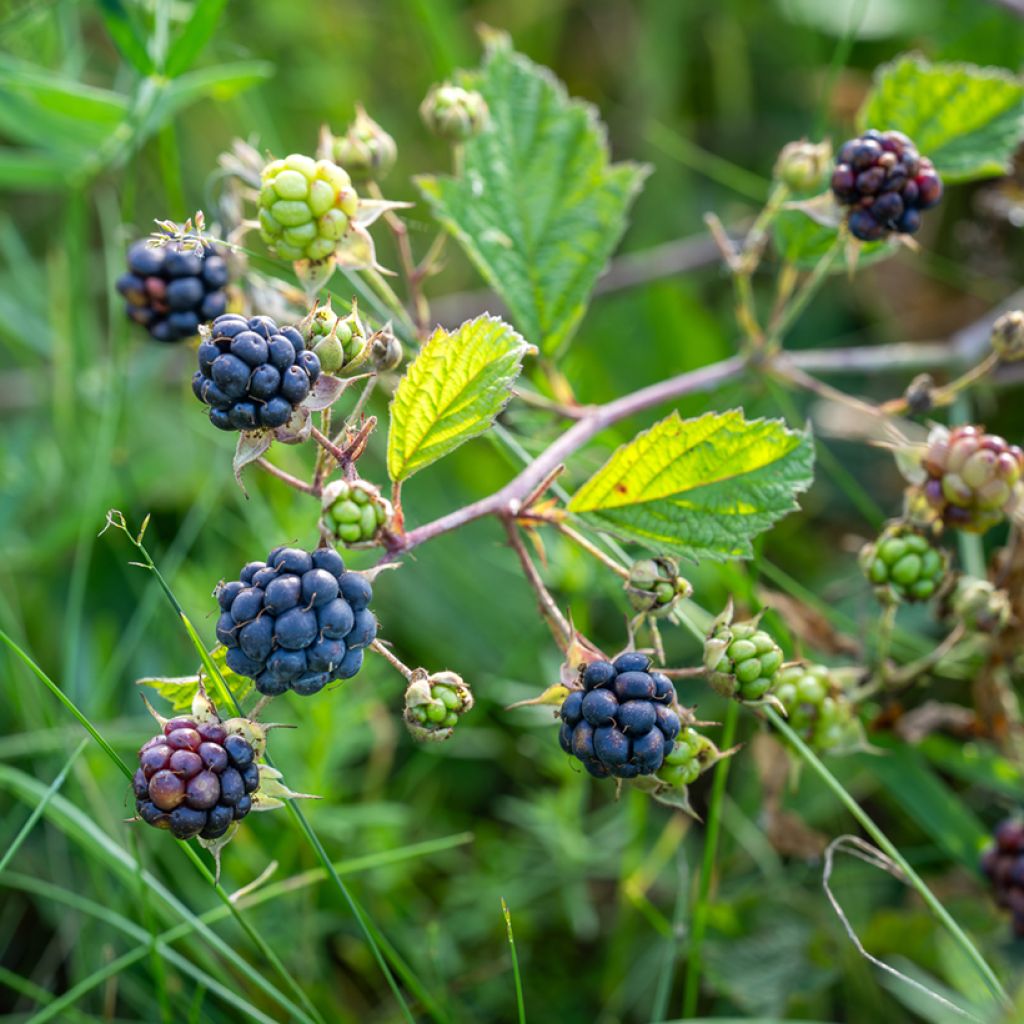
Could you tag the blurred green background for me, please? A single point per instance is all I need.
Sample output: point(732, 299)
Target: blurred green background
point(96, 416)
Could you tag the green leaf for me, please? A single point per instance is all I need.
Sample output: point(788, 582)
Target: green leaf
point(966, 119)
point(177, 690)
point(452, 391)
point(220, 82)
point(30, 171)
point(126, 35)
point(197, 32)
point(538, 208)
point(700, 487)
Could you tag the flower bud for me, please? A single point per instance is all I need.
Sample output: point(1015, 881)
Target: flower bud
point(366, 151)
point(385, 350)
point(979, 605)
point(1008, 336)
point(454, 113)
point(802, 165)
point(434, 703)
point(655, 586)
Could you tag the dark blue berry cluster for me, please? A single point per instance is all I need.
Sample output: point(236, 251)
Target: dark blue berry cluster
point(885, 182)
point(296, 621)
point(1003, 865)
point(621, 723)
point(194, 780)
point(171, 290)
point(252, 373)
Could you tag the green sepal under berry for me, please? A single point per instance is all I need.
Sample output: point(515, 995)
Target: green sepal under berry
point(434, 703)
point(654, 586)
point(741, 659)
point(354, 513)
point(339, 341)
point(904, 565)
point(818, 708)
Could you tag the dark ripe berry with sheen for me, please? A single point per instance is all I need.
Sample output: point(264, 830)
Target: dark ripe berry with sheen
point(622, 722)
point(297, 621)
point(192, 778)
point(171, 291)
point(885, 183)
point(1002, 864)
point(253, 374)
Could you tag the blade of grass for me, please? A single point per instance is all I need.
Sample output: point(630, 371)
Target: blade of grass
point(691, 986)
point(520, 1005)
point(883, 842)
point(663, 990)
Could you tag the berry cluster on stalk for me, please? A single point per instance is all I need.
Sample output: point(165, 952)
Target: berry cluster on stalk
point(195, 779)
point(170, 289)
point(885, 184)
point(621, 722)
point(904, 565)
point(817, 708)
point(741, 658)
point(1003, 865)
point(252, 373)
point(297, 621)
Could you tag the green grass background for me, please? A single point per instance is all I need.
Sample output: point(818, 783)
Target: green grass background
point(94, 416)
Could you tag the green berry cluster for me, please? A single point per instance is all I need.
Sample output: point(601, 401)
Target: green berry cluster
point(692, 754)
point(817, 708)
point(904, 565)
point(306, 207)
point(654, 586)
point(354, 512)
point(742, 659)
point(434, 703)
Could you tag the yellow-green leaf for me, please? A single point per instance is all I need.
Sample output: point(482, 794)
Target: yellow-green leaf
point(966, 119)
point(452, 391)
point(700, 487)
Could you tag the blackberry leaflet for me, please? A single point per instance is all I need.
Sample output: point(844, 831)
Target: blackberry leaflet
point(252, 373)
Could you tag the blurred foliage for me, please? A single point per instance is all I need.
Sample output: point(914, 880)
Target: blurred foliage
point(95, 416)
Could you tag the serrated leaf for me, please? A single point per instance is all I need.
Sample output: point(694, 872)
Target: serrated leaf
point(701, 487)
point(452, 391)
point(966, 119)
point(538, 208)
point(178, 691)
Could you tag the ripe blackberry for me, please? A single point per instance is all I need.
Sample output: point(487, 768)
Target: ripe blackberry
point(171, 290)
point(884, 183)
point(354, 512)
point(1003, 865)
point(654, 586)
point(195, 779)
point(817, 708)
point(972, 479)
point(306, 207)
point(904, 565)
point(622, 722)
point(296, 622)
point(741, 658)
point(434, 702)
point(252, 374)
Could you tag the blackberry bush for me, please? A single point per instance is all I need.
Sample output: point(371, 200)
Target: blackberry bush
point(904, 565)
point(195, 779)
point(297, 621)
point(171, 289)
point(885, 184)
point(621, 722)
point(252, 373)
point(306, 207)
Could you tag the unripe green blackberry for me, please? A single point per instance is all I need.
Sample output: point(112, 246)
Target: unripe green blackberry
point(817, 709)
point(904, 565)
point(1008, 336)
point(654, 586)
point(340, 342)
point(692, 755)
point(971, 480)
point(979, 605)
point(366, 151)
point(434, 703)
point(802, 165)
point(741, 658)
point(306, 207)
point(454, 113)
point(354, 512)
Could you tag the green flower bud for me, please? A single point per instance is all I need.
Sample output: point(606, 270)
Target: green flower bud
point(354, 513)
point(366, 151)
point(904, 565)
point(454, 113)
point(979, 605)
point(434, 703)
point(802, 165)
point(385, 350)
point(654, 586)
point(1008, 336)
